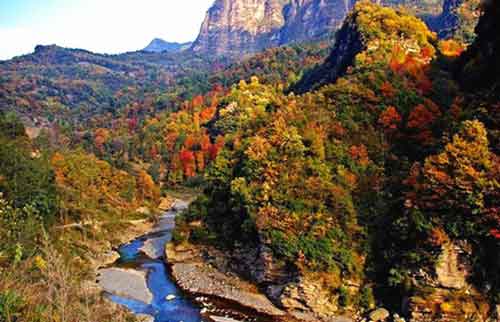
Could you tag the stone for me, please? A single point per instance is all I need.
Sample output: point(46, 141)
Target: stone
point(451, 270)
point(165, 204)
point(143, 211)
point(154, 248)
point(379, 314)
point(222, 319)
point(127, 283)
point(144, 318)
point(170, 297)
point(397, 318)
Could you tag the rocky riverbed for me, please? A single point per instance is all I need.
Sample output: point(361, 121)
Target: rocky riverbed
point(137, 277)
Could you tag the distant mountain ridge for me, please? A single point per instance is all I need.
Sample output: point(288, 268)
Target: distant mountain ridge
point(159, 45)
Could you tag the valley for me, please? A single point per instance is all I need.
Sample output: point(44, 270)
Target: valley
point(299, 161)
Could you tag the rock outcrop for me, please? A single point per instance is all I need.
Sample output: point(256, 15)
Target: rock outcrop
point(234, 27)
point(239, 26)
point(452, 297)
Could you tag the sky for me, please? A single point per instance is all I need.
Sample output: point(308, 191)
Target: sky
point(102, 26)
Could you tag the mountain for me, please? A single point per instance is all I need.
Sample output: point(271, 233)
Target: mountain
point(158, 45)
point(353, 194)
point(234, 27)
point(75, 84)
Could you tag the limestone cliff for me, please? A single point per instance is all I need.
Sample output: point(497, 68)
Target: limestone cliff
point(234, 27)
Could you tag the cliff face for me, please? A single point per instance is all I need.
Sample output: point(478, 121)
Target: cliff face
point(306, 20)
point(235, 26)
point(479, 67)
point(243, 26)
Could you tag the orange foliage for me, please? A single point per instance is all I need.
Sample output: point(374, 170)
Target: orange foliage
point(207, 114)
point(451, 48)
point(360, 154)
point(390, 118)
point(101, 136)
point(146, 187)
point(388, 90)
point(438, 237)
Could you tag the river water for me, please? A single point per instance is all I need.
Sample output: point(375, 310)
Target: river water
point(145, 255)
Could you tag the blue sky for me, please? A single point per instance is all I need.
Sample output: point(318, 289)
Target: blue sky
point(104, 26)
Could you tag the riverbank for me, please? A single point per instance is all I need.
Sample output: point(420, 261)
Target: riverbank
point(198, 277)
point(204, 272)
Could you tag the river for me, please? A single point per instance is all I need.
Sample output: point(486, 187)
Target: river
point(139, 279)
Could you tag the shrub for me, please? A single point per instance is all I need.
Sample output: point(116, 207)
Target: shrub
point(11, 306)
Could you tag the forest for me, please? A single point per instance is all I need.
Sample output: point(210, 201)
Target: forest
point(360, 166)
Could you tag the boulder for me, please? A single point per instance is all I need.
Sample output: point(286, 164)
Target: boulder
point(452, 269)
point(143, 211)
point(379, 314)
point(165, 204)
point(145, 318)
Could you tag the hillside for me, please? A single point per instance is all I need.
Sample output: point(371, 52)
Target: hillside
point(361, 190)
point(75, 84)
point(350, 180)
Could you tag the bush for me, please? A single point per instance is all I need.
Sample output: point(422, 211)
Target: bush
point(11, 306)
point(366, 298)
point(344, 296)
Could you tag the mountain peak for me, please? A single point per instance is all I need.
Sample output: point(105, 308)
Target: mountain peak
point(158, 45)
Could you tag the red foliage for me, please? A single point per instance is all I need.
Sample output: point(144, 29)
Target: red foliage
point(207, 114)
point(187, 159)
point(215, 148)
point(421, 117)
point(390, 118)
point(495, 233)
point(132, 124)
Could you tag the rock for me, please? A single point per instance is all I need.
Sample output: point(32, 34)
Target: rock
point(397, 318)
point(308, 296)
point(379, 314)
point(165, 204)
point(127, 283)
point(145, 318)
point(204, 280)
point(170, 297)
point(222, 319)
point(155, 247)
point(143, 211)
point(107, 258)
point(158, 45)
point(452, 270)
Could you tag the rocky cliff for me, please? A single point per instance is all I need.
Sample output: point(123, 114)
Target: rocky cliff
point(235, 27)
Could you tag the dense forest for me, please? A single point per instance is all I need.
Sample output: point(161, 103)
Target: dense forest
point(367, 169)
